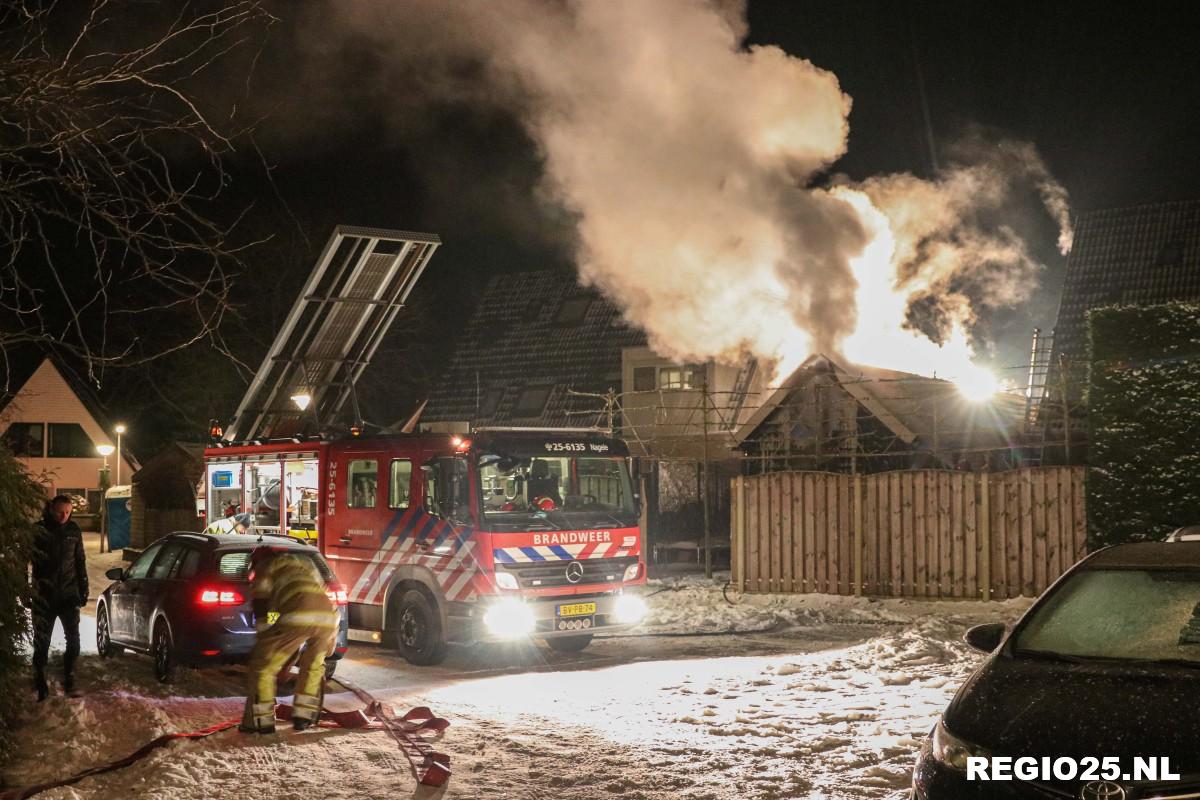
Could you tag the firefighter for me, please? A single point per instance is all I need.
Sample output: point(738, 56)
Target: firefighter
point(238, 523)
point(289, 585)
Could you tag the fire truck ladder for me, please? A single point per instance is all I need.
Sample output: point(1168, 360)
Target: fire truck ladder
point(358, 286)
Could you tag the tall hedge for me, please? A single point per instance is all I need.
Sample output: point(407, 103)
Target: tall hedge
point(20, 501)
point(1144, 409)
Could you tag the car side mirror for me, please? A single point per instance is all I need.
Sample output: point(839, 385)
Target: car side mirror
point(115, 574)
point(986, 638)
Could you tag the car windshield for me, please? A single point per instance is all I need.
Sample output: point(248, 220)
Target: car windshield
point(555, 492)
point(1119, 614)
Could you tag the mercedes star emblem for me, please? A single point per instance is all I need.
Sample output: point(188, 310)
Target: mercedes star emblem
point(574, 572)
point(1102, 790)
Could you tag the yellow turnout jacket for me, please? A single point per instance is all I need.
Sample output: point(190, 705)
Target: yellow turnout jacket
point(294, 588)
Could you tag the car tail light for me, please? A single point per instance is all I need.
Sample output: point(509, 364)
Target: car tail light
point(337, 594)
point(220, 597)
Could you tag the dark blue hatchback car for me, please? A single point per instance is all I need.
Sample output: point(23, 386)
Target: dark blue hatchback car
point(187, 600)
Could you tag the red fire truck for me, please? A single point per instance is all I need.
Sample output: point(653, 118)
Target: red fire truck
point(437, 538)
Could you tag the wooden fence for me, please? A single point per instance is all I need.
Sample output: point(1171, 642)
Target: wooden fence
point(927, 533)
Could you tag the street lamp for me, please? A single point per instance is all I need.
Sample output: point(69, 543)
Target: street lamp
point(120, 429)
point(105, 450)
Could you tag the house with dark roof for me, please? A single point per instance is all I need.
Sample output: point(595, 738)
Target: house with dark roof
point(53, 424)
point(1136, 255)
point(540, 351)
point(543, 351)
point(1139, 255)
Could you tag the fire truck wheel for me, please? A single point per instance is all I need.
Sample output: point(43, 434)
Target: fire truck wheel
point(569, 644)
point(417, 630)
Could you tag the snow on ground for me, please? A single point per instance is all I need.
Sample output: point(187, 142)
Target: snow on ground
point(694, 603)
point(827, 697)
point(842, 715)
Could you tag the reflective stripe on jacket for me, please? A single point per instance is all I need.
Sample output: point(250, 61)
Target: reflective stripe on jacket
point(225, 525)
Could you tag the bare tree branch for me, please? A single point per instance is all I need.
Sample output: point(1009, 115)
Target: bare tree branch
point(112, 177)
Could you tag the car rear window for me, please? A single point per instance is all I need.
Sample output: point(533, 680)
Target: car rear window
point(235, 564)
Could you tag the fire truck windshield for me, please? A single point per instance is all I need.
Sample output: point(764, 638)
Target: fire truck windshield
point(555, 492)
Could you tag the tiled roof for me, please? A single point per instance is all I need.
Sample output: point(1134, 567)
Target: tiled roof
point(1140, 255)
point(523, 339)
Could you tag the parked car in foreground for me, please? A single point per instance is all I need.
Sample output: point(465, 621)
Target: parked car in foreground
point(1105, 664)
point(187, 600)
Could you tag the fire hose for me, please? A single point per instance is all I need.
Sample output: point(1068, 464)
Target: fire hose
point(429, 767)
point(414, 732)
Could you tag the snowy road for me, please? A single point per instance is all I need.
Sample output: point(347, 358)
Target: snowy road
point(832, 702)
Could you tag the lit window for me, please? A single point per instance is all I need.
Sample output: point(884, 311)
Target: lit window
point(689, 377)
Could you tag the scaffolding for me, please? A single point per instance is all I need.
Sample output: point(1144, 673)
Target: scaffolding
point(832, 419)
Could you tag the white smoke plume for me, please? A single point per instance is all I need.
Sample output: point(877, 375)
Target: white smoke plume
point(692, 166)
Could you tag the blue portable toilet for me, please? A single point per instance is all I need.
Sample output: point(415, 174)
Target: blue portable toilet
point(116, 507)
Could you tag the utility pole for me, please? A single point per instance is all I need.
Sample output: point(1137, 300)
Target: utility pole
point(820, 426)
point(708, 571)
point(1033, 360)
point(1066, 405)
point(937, 444)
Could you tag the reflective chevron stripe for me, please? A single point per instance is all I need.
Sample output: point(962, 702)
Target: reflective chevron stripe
point(305, 706)
point(309, 619)
point(566, 552)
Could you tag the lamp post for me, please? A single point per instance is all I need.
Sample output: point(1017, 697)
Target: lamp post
point(104, 450)
point(120, 429)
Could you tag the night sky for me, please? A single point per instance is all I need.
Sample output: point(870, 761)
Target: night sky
point(1104, 94)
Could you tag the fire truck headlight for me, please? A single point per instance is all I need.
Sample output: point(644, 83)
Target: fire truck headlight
point(629, 609)
point(509, 618)
point(632, 571)
point(506, 580)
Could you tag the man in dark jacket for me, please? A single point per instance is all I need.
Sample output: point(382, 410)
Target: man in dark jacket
point(60, 588)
